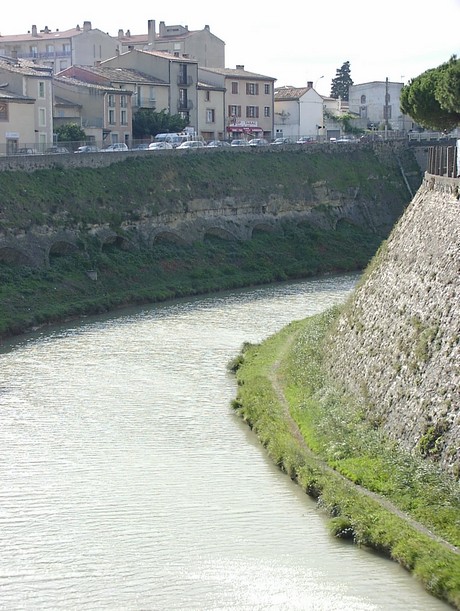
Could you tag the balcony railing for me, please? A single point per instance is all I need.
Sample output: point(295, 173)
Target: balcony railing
point(184, 105)
point(443, 161)
point(43, 54)
point(184, 81)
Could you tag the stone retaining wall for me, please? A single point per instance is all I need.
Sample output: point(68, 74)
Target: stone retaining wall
point(397, 346)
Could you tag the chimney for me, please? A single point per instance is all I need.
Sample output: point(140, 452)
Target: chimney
point(120, 33)
point(86, 26)
point(46, 30)
point(309, 84)
point(239, 67)
point(34, 30)
point(151, 32)
point(206, 27)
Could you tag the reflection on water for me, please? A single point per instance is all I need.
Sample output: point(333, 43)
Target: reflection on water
point(128, 483)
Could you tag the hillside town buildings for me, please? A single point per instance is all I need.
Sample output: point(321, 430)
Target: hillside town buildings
point(85, 76)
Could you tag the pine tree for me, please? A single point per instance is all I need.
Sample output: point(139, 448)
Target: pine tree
point(341, 82)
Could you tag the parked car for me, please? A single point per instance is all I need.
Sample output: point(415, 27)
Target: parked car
point(305, 140)
point(87, 148)
point(239, 143)
point(283, 141)
point(258, 142)
point(218, 143)
point(57, 150)
point(158, 146)
point(115, 148)
point(174, 139)
point(27, 151)
point(191, 144)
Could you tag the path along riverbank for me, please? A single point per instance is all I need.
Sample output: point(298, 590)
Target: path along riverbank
point(375, 495)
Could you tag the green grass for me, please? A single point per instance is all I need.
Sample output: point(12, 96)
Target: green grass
point(343, 443)
point(31, 297)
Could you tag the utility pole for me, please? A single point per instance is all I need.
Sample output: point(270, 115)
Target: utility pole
point(386, 108)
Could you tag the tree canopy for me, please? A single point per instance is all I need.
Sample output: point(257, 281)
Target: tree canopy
point(342, 82)
point(432, 99)
point(70, 132)
point(148, 123)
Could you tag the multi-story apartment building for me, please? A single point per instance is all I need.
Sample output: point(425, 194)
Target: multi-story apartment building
point(26, 105)
point(179, 73)
point(249, 101)
point(60, 49)
point(200, 45)
point(106, 114)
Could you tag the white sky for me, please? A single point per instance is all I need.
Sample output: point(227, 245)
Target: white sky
point(398, 39)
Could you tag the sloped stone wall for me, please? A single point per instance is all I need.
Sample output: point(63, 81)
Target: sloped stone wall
point(397, 345)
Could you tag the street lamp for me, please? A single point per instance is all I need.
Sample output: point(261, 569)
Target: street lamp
point(318, 79)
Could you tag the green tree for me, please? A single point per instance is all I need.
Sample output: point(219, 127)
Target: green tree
point(70, 132)
point(342, 82)
point(148, 123)
point(431, 99)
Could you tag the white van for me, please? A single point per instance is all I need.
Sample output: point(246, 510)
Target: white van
point(173, 139)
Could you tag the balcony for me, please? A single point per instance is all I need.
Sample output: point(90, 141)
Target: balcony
point(184, 81)
point(184, 105)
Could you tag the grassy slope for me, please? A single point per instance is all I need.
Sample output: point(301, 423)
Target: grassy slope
point(341, 443)
point(81, 197)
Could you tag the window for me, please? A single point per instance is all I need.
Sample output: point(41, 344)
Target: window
point(267, 88)
point(3, 111)
point(387, 112)
point(266, 111)
point(235, 87)
point(363, 99)
point(111, 100)
point(66, 48)
point(182, 74)
point(41, 117)
point(234, 111)
point(124, 117)
point(252, 88)
point(363, 112)
point(41, 89)
point(34, 51)
point(252, 112)
point(183, 98)
point(210, 115)
point(123, 101)
point(50, 49)
point(111, 117)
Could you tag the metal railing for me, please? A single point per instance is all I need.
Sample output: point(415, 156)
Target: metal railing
point(443, 161)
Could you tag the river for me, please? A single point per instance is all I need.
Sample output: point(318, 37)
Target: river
point(127, 482)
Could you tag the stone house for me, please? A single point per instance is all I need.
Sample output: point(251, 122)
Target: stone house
point(248, 102)
point(211, 109)
point(26, 105)
point(60, 49)
point(200, 45)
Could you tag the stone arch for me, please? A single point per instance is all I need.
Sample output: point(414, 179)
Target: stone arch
point(168, 236)
point(219, 232)
point(14, 256)
point(61, 248)
point(114, 241)
point(263, 228)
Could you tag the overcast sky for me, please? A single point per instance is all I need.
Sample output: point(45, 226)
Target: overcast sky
point(294, 43)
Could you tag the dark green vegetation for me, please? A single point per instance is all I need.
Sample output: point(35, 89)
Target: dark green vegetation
point(31, 297)
point(338, 453)
point(141, 187)
point(432, 99)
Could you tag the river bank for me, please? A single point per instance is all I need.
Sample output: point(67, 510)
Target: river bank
point(34, 297)
point(374, 494)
